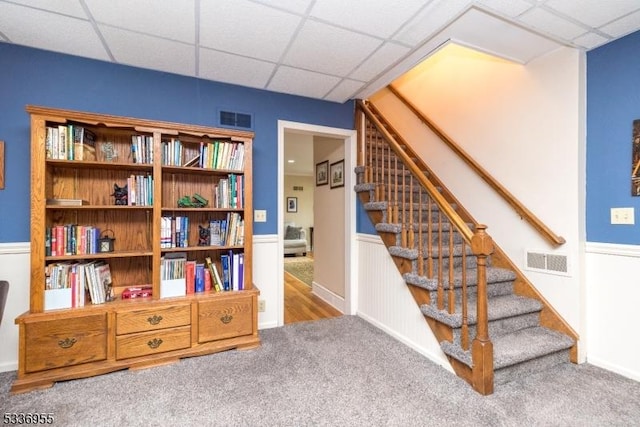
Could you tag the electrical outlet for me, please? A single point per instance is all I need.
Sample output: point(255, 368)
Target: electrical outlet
point(262, 305)
point(622, 216)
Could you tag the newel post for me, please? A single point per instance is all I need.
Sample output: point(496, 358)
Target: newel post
point(482, 348)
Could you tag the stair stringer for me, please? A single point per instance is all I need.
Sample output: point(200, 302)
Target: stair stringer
point(549, 316)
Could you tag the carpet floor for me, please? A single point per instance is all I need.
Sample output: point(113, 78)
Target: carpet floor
point(334, 372)
point(300, 267)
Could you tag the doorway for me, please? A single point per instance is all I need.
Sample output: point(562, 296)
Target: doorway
point(342, 298)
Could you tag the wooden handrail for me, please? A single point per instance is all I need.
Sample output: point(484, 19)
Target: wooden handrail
point(520, 209)
point(433, 191)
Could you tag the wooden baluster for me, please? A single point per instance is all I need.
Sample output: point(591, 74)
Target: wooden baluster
point(465, 320)
point(389, 192)
point(410, 231)
point(368, 170)
point(429, 237)
point(440, 264)
point(403, 226)
point(396, 184)
point(482, 347)
point(420, 236)
point(452, 297)
point(362, 135)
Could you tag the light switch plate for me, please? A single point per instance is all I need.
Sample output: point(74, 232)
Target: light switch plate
point(260, 215)
point(622, 216)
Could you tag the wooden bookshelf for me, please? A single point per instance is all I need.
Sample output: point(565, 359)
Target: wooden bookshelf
point(82, 338)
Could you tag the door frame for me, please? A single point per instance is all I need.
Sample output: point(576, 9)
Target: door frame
point(351, 274)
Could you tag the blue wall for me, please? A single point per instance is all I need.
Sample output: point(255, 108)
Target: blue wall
point(31, 76)
point(613, 102)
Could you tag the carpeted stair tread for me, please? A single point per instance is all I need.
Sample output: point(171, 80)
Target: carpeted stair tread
point(494, 275)
point(499, 307)
point(386, 227)
point(412, 254)
point(518, 347)
point(379, 206)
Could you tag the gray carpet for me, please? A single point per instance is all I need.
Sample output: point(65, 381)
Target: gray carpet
point(334, 372)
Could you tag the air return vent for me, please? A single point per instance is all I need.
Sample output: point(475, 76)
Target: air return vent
point(236, 120)
point(547, 263)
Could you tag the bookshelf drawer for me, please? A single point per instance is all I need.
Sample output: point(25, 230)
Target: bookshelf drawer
point(225, 318)
point(152, 319)
point(65, 342)
point(146, 343)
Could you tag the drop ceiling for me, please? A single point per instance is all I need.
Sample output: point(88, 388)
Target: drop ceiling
point(334, 50)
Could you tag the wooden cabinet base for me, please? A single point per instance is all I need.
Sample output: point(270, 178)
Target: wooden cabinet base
point(136, 347)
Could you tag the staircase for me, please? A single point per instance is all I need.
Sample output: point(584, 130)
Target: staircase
point(490, 321)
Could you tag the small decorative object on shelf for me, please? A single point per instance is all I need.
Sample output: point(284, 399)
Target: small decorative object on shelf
point(197, 201)
point(109, 151)
point(106, 242)
point(204, 236)
point(121, 195)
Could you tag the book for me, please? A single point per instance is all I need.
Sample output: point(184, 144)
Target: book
point(67, 202)
point(190, 268)
point(199, 285)
point(215, 276)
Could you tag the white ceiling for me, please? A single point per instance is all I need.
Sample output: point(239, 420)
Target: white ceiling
point(327, 49)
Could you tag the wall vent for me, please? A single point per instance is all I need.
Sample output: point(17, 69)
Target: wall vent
point(236, 120)
point(547, 263)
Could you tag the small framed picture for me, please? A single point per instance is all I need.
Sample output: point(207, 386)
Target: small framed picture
point(336, 172)
point(322, 173)
point(292, 204)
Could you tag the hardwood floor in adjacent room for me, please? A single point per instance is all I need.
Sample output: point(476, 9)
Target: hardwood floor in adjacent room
point(300, 304)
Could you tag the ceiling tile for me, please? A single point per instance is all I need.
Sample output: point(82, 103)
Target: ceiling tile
point(590, 40)
point(301, 82)
point(145, 51)
point(315, 49)
point(381, 59)
point(174, 20)
point(71, 8)
point(360, 14)
point(594, 13)
point(551, 24)
point(344, 90)
point(509, 8)
point(246, 28)
point(623, 26)
point(227, 68)
point(295, 6)
point(438, 14)
point(54, 32)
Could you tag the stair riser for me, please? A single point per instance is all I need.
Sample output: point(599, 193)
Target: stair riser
point(493, 290)
point(470, 261)
point(435, 237)
point(504, 326)
point(512, 373)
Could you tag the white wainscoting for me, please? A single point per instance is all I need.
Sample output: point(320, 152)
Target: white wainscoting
point(267, 275)
point(613, 293)
point(385, 301)
point(14, 267)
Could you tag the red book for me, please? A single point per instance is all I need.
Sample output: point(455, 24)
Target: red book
point(190, 276)
point(207, 280)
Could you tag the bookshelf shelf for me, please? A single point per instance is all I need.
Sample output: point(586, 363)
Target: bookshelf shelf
point(103, 180)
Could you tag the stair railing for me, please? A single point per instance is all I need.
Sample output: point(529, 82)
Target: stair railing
point(520, 208)
point(408, 194)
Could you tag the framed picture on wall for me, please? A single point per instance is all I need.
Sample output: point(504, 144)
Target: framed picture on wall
point(322, 173)
point(292, 204)
point(336, 172)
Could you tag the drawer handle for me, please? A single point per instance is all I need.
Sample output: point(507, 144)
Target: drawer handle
point(154, 320)
point(154, 343)
point(67, 342)
point(226, 318)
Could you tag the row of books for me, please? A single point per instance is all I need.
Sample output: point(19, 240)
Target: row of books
point(174, 232)
point(142, 149)
point(71, 239)
point(140, 190)
point(80, 276)
point(222, 155)
point(229, 192)
point(227, 232)
point(70, 142)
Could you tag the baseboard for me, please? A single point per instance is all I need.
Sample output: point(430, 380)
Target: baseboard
point(438, 359)
point(334, 300)
point(8, 367)
point(613, 368)
point(267, 325)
